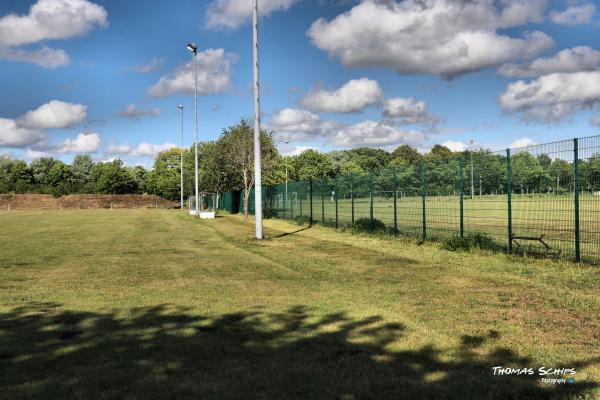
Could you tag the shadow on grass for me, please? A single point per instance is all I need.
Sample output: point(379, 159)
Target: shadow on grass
point(284, 234)
point(166, 352)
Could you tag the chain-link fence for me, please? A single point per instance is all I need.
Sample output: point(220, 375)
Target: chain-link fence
point(542, 199)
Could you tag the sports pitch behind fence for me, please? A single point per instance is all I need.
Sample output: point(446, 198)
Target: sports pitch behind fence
point(542, 199)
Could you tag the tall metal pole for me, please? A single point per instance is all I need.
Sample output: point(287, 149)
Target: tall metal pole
point(180, 107)
point(257, 160)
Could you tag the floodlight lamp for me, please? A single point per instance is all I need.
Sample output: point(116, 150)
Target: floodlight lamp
point(192, 47)
point(180, 107)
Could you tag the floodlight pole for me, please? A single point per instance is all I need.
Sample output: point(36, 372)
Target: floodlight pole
point(194, 49)
point(257, 161)
point(180, 107)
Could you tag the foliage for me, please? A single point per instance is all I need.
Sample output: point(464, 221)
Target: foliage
point(369, 226)
point(470, 242)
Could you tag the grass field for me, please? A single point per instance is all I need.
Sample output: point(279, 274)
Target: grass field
point(153, 304)
point(550, 216)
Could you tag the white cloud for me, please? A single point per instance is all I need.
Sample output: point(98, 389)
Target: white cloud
point(291, 120)
point(551, 98)
point(51, 19)
point(231, 14)
point(440, 37)
point(54, 115)
point(45, 57)
point(581, 58)
point(297, 125)
point(575, 15)
point(523, 142)
point(146, 68)
point(33, 154)
point(353, 96)
point(408, 110)
point(132, 112)
point(595, 120)
point(375, 134)
point(83, 143)
point(13, 135)
point(48, 20)
point(214, 75)
point(455, 146)
point(141, 150)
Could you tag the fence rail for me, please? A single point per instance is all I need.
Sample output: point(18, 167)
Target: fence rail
point(542, 199)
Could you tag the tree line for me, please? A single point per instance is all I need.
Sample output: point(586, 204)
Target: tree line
point(226, 164)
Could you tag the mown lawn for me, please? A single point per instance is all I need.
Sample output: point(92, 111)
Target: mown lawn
point(153, 304)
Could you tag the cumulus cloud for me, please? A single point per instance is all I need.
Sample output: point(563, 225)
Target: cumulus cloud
point(353, 96)
point(54, 115)
point(551, 98)
point(33, 154)
point(408, 110)
point(291, 120)
point(214, 75)
point(375, 134)
point(581, 58)
point(441, 37)
point(45, 57)
point(30, 129)
point(14, 135)
point(148, 67)
point(132, 112)
point(141, 150)
point(522, 142)
point(575, 15)
point(230, 14)
point(83, 143)
point(455, 146)
point(48, 20)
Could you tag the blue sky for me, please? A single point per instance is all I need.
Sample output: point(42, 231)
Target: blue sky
point(104, 77)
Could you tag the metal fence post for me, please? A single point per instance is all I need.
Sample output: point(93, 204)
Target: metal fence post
point(284, 206)
point(576, 174)
point(509, 202)
point(310, 191)
point(322, 201)
point(371, 198)
point(423, 195)
point(300, 202)
point(395, 203)
point(291, 207)
point(335, 193)
point(462, 195)
point(352, 195)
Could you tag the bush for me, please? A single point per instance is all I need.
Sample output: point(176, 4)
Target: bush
point(470, 242)
point(368, 226)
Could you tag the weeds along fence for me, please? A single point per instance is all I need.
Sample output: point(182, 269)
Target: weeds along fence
point(542, 199)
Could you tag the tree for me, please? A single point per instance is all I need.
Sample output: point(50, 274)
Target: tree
point(407, 153)
point(40, 168)
point(82, 168)
point(164, 179)
point(216, 175)
point(112, 178)
point(237, 146)
point(310, 164)
point(370, 159)
point(60, 178)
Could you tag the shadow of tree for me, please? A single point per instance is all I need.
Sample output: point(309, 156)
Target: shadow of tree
point(168, 352)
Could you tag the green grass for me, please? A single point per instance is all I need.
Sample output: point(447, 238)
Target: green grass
point(153, 304)
point(550, 216)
